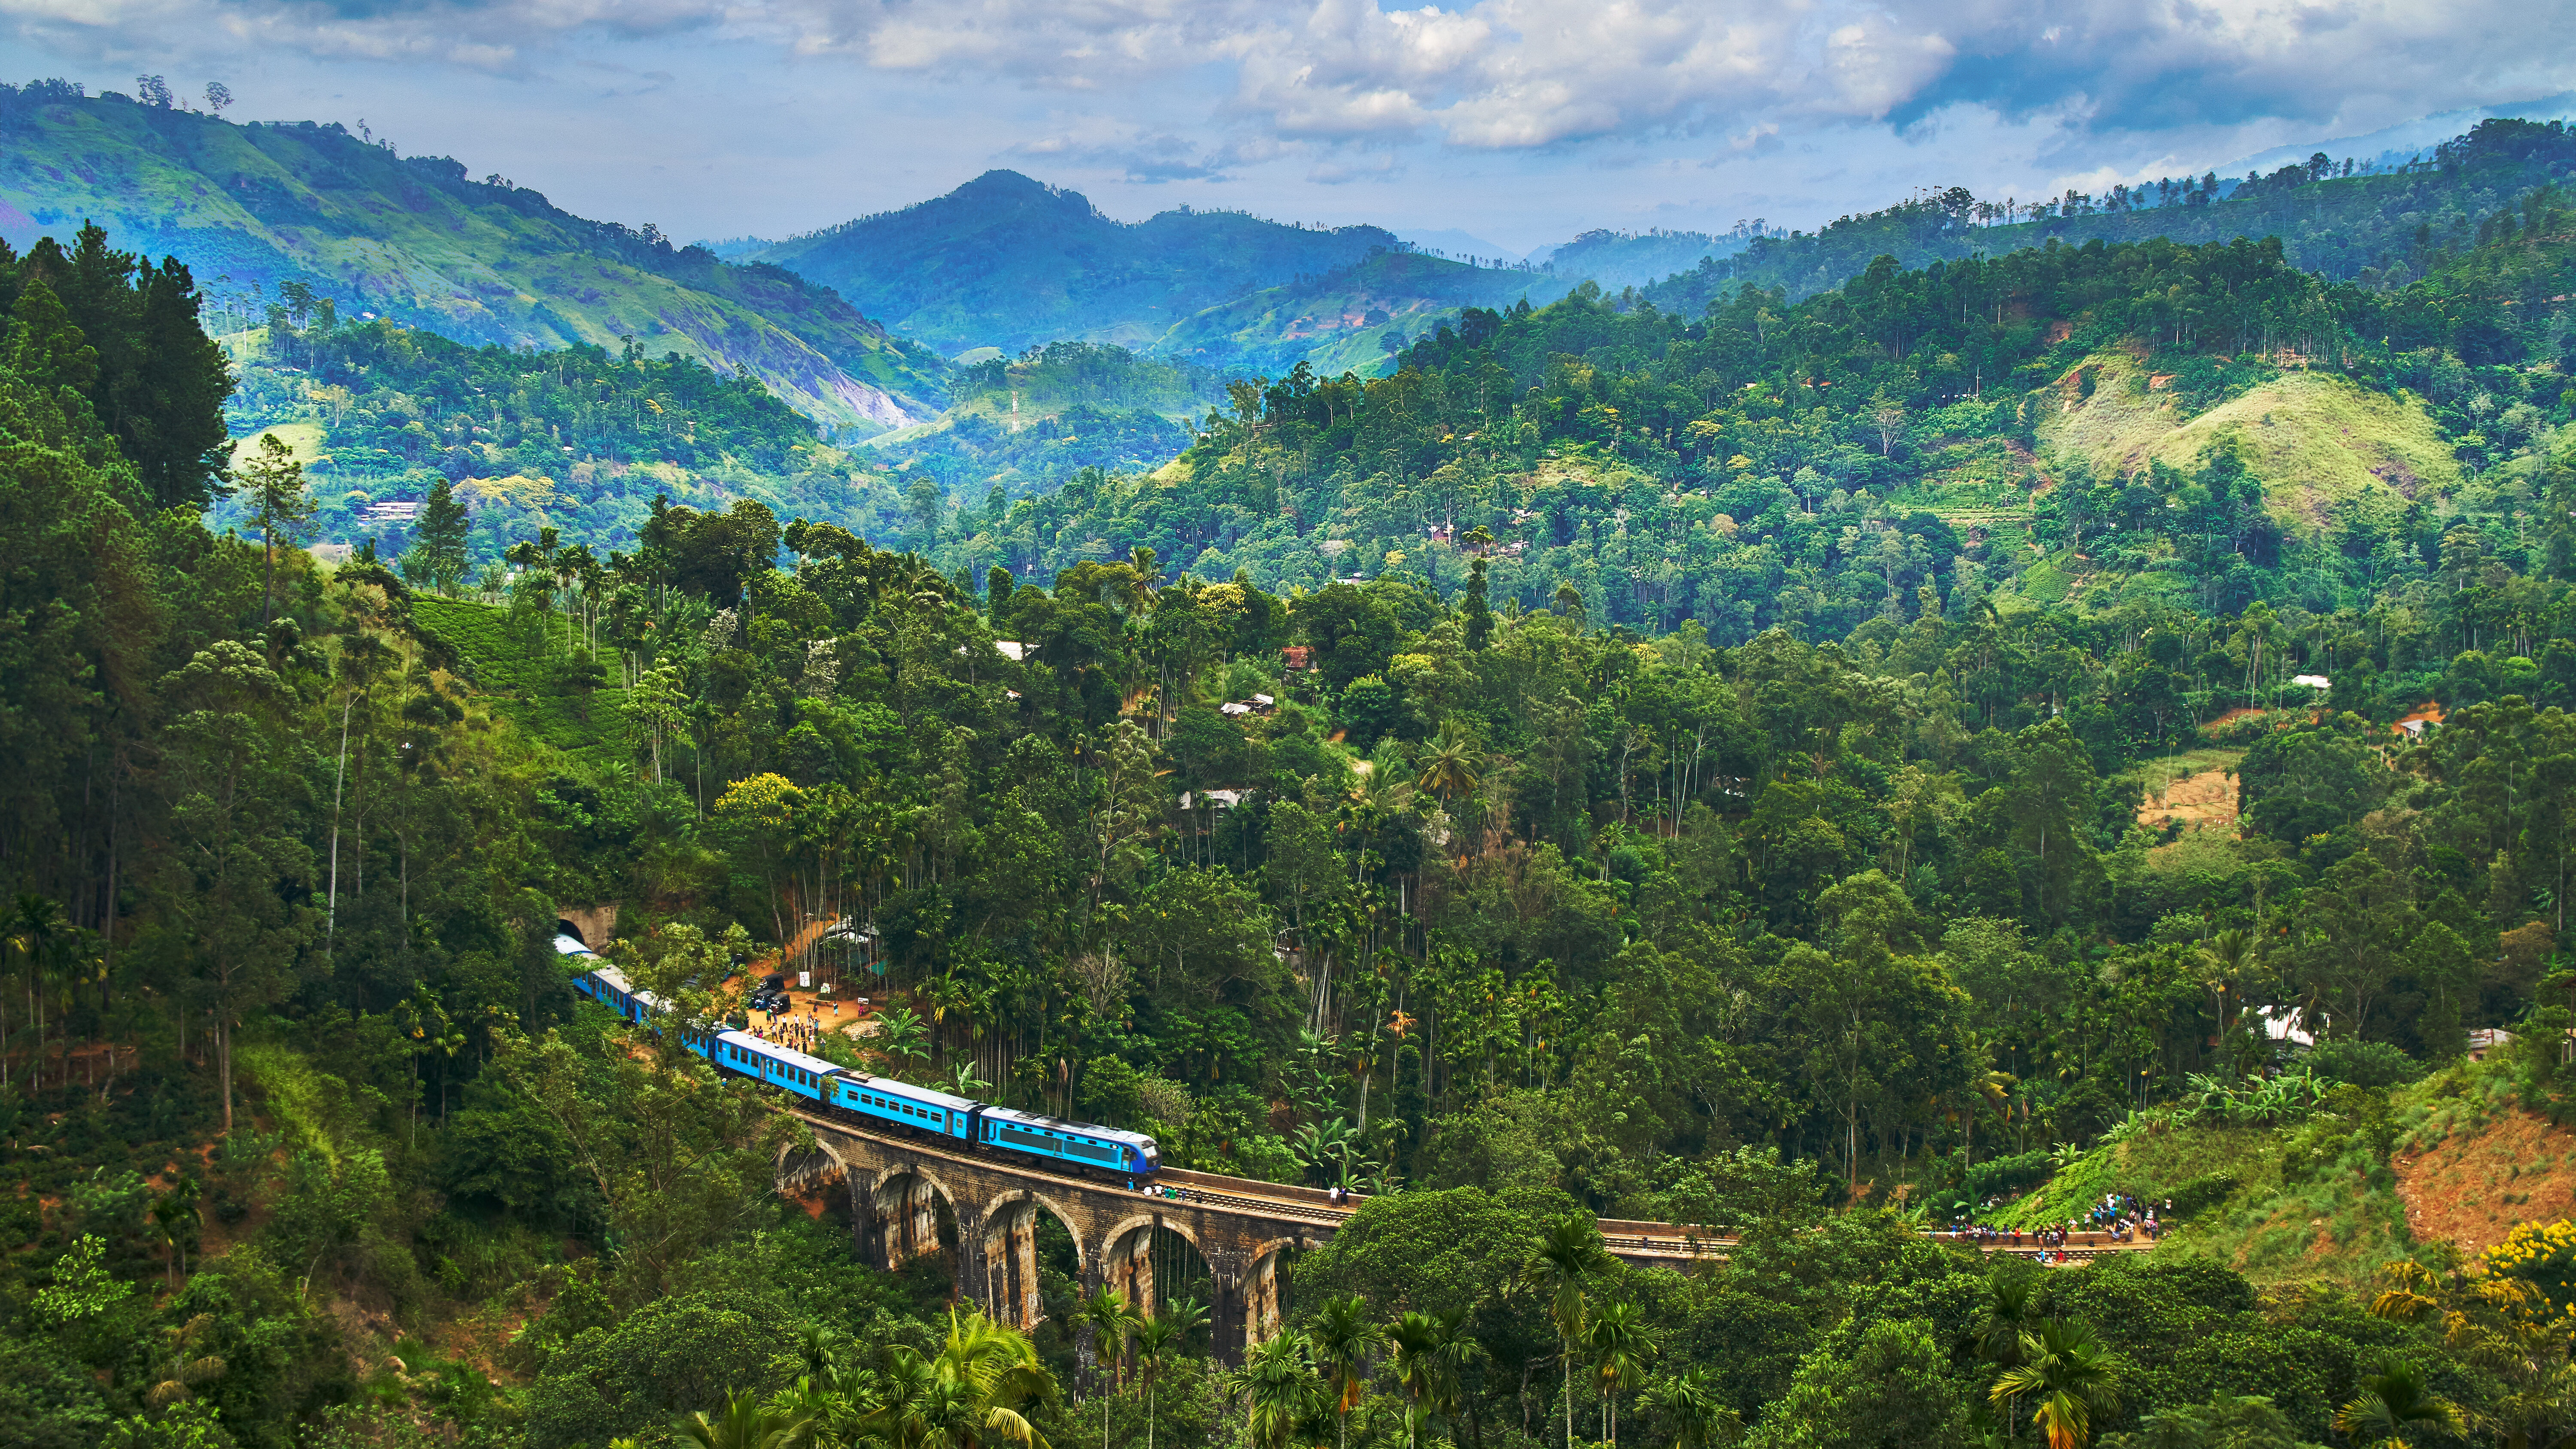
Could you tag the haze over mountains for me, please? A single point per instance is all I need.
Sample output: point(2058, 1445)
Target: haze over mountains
point(863, 325)
point(418, 240)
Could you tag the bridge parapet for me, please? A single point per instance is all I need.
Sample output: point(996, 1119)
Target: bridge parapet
point(897, 1184)
point(1239, 1227)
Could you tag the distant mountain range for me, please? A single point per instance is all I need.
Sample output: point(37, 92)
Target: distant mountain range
point(866, 326)
point(252, 208)
point(1004, 261)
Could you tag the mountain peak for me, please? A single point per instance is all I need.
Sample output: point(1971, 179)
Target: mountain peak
point(1000, 187)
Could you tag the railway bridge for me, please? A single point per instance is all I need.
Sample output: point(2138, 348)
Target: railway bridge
point(1240, 1227)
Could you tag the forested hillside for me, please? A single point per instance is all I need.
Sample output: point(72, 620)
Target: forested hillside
point(2147, 427)
point(1817, 771)
point(255, 210)
point(1007, 262)
point(1350, 319)
point(2334, 216)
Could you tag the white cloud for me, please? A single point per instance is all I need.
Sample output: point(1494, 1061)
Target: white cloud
point(1497, 75)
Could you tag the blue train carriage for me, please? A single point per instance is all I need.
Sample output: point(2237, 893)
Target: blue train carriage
point(792, 1071)
point(605, 984)
point(1130, 1154)
point(900, 1104)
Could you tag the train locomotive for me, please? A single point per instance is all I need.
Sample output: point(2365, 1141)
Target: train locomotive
point(845, 1092)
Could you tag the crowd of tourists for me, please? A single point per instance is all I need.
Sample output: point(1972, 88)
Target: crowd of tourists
point(2115, 1218)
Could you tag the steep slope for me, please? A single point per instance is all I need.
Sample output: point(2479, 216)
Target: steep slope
point(1352, 319)
point(2320, 443)
point(252, 208)
point(1004, 261)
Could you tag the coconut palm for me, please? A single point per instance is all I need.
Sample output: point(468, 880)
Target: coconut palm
point(2070, 1375)
point(1448, 771)
point(2227, 963)
point(1277, 1388)
point(1694, 1412)
point(971, 1396)
point(1340, 1340)
point(1620, 1344)
point(2395, 1407)
point(175, 1218)
point(1569, 1253)
point(745, 1424)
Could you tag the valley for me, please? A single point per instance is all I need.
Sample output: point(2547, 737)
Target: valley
point(993, 825)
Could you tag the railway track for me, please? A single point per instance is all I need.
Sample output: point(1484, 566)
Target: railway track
point(1274, 1200)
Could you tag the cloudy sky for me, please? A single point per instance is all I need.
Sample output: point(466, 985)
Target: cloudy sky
point(1519, 121)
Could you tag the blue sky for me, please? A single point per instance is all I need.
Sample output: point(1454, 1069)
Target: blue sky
point(1519, 121)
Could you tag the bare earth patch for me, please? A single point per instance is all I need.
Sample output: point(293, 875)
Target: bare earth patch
point(2202, 801)
point(2475, 1186)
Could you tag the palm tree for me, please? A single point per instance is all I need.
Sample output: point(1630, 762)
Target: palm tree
point(831, 1420)
point(2009, 1312)
point(1569, 1252)
point(1448, 771)
point(1189, 1319)
point(1690, 1406)
point(1277, 1388)
point(2072, 1376)
point(1432, 1353)
point(1157, 1339)
point(174, 1213)
point(1106, 1312)
point(2395, 1403)
point(32, 930)
point(1341, 1339)
point(1994, 1090)
point(745, 1424)
point(2227, 960)
point(971, 1396)
point(1620, 1344)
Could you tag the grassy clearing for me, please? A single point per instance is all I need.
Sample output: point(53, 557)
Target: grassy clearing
point(305, 438)
point(2158, 775)
point(2315, 440)
point(524, 666)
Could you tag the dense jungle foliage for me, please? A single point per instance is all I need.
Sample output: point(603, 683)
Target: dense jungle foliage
point(2346, 220)
point(1542, 886)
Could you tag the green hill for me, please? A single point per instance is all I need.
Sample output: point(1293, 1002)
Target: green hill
point(580, 440)
point(1354, 318)
point(1623, 259)
point(2336, 218)
point(1004, 261)
point(2323, 444)
point(1009, 263)
point(255, 210)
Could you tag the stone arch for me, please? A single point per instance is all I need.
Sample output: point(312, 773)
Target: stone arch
point(1260, 1295)
point(905, 1206)
point(1010, 1255)
point(801, 1169)
point(1130, 1262)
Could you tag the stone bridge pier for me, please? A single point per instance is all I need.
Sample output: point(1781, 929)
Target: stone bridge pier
point(897, 1186)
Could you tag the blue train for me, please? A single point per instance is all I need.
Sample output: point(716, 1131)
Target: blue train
point(882, 1100)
